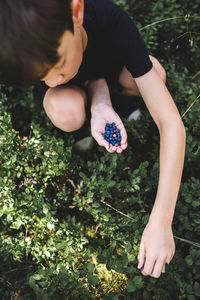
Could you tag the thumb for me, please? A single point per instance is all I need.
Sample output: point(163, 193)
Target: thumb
point(141, 256)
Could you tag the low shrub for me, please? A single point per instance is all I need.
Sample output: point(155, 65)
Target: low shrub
point(71, 224)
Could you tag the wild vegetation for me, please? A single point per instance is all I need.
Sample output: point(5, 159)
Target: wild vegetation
point(71, 224)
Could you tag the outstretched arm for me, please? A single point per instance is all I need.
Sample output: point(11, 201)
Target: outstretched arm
point(157, 243)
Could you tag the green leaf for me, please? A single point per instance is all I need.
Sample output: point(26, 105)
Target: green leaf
point(191, 297)
point(113, 245)
point(128, 247)
point(93, 280)
point(131, 287)
point(50, 226)
point(9, 218)
point(197, 288)
point(111, 183)
point(37, 276)
point(90, 267)
point(138, 281)
point(45, 210)
point(17, 224)
point(62, 165)
point(189, 260)
point(83, 176)
point(134, 283)
point(130, 270)
point(62, 245)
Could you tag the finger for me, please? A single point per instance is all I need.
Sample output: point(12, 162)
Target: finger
point(141, 256)
point(163, 269)
point(158, 268)
point(148, 266)
point(104, 144)
point(111, 149)
point(119, 150)
point(114, 148)
point(122, 132)
point(123, 135)
point(124, 146)
point(169, 259)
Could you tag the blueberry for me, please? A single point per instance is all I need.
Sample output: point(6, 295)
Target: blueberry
point(110, 130)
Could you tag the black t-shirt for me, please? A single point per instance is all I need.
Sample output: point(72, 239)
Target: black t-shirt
point(113, 42)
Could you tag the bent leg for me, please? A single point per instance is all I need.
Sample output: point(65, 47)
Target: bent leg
point(65, 107)
point(128, 83)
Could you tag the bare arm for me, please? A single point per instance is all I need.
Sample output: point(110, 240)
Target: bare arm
point(172, 142)
point(172, 149)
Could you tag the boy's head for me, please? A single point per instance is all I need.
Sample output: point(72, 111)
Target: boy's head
point(30, 36)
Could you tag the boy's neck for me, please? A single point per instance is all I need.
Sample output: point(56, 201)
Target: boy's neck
point(84, 37)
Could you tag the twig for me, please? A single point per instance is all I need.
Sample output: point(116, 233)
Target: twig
point(190, 106)
point(176, 237)
point(182, 35)
point(169, 19)
point(119, 212)
point(187, 241)
point(195, 75)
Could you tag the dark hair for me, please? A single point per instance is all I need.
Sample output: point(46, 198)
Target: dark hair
point(29, 38)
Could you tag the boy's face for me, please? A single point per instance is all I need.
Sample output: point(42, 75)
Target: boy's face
point(70, 50)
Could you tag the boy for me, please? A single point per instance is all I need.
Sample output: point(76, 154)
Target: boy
point(80, 46)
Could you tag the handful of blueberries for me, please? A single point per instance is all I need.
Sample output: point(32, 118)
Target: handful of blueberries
point(112, 134)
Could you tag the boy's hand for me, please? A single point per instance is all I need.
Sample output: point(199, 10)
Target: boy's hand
point(106, 114)
point(156, 249)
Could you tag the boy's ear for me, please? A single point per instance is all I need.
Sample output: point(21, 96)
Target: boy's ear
point(77, 12)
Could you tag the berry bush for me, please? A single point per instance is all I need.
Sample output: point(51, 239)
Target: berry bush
point(71, 224)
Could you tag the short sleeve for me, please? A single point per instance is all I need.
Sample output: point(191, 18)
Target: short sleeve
point(123, 39)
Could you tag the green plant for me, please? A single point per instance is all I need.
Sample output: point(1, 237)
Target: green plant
point(71, 225)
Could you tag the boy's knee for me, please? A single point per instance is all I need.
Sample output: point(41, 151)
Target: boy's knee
point(65, 108)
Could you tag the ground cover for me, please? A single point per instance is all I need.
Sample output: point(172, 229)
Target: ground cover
point(71, 224)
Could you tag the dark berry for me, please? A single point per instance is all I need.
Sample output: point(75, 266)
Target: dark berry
point(112, 134)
